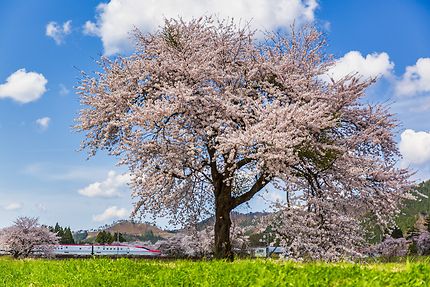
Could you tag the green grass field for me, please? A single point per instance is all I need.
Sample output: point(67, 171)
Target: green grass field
point(129, 272)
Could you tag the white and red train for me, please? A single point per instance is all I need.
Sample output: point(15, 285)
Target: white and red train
point(106, 250)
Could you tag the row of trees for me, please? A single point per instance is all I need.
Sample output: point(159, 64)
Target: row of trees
point(415, 240)
point(65, 234)
point(105, 237)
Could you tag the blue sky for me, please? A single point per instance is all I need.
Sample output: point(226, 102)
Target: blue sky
point(43, 174)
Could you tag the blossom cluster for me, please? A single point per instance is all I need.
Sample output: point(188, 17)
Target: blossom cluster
point(27, 237)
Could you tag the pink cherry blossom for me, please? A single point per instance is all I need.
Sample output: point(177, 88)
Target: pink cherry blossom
point(205, 117)
point(27, 237)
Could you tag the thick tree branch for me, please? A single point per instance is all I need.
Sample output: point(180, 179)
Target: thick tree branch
point(212, 163)
point(241, 163)
point(261, 182)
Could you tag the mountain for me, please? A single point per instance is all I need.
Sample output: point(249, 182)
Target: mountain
point(137, 229)
point(132, 231)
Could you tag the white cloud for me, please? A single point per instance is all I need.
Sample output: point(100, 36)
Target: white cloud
point(110, 213)
point(58, 32)
point(64, 90)
point(415, 147)
point(43, 123)
point(91, 29)
point(23, 87)
point(373, 65)
point(110, 187)
point(13, 206)
point(416, 79)
point(118, 17)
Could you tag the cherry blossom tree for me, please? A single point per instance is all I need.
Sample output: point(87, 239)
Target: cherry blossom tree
point(205, 117)
point(26, 237)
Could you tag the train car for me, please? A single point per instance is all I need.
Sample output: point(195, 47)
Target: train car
point(72, 249)
point(105, 250)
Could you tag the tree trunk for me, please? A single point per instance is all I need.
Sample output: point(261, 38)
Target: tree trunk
point(222, 227)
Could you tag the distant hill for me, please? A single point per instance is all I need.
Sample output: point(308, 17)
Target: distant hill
point(415, 210)
point(132, 228)
point(136, 231)
point(132, 231)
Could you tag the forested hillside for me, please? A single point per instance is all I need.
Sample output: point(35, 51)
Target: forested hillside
point(415, 209)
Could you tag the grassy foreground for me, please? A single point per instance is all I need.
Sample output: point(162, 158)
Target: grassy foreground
point(128, 272)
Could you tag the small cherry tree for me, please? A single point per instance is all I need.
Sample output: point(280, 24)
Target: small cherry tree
point(205, 117)
point(27, 237)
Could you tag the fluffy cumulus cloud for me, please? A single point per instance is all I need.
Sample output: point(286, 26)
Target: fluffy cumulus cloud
point(23, 86)
point(416, 79)
point(58, 32)
point(112, 212)
point(43, 123)
point(13, 206)
point(373, 65)
point(110, 187)
point(118, 17)
point(415, 147)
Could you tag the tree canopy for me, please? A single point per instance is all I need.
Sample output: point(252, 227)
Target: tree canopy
point(205, 116)
point(26, 237)
point(105, 237)
point(64, 234)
